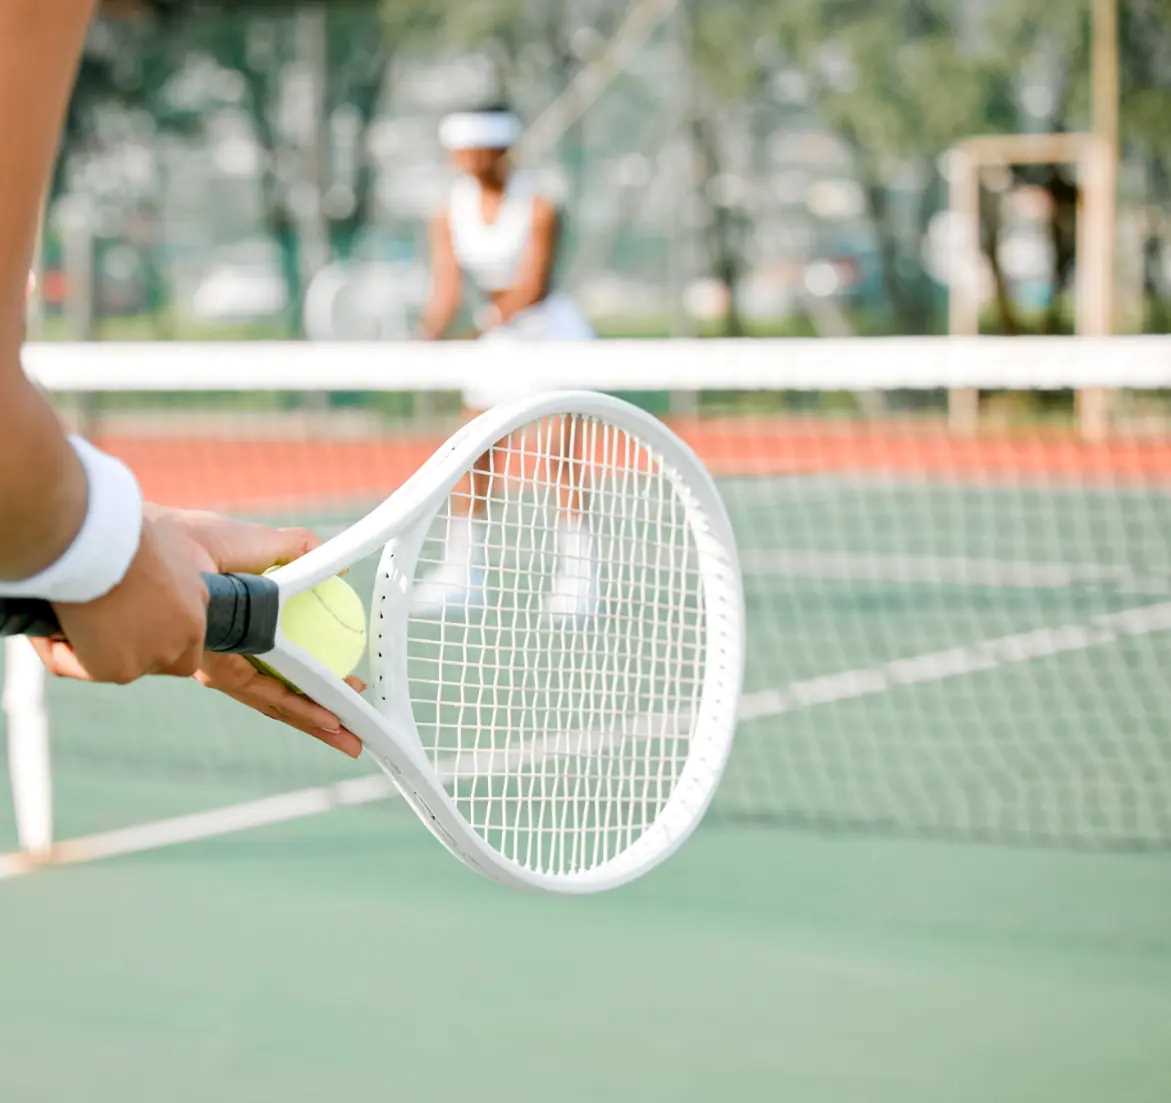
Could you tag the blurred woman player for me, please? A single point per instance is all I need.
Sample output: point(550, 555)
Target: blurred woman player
point(500, 235)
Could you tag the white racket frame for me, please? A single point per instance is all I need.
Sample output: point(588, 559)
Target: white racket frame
point(387, 729)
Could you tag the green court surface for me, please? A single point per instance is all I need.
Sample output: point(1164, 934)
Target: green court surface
point(348, 955)
point(934, 882)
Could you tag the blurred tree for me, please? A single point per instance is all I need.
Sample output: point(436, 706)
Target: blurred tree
point(1145, 43)
point(1042, 61)
point(1041, 56)
point(535, 45)
point(335, 58)
point(535, 48)
point(364, 45)
point(309, 77)
point(109, 168)
point(314, 77)
point(729, 55)
point(899, 82)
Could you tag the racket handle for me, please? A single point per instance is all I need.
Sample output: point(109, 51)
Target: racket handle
point(242, 613)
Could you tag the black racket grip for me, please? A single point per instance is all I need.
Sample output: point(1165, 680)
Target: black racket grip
point(242, 612)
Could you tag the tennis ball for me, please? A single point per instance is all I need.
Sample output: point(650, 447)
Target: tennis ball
point(329, 622)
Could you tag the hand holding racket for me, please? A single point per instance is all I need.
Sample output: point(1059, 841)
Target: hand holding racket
point(555, 640)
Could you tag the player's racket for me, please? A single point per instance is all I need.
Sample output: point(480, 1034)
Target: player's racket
point(554, 682)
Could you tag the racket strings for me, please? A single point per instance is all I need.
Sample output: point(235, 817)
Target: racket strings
point(556, 683)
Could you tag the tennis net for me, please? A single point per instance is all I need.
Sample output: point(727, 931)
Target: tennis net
point(959, 606)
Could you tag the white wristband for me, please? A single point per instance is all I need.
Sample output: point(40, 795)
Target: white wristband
point(107, 542)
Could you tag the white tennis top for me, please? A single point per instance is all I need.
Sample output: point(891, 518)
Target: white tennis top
point(489, 253)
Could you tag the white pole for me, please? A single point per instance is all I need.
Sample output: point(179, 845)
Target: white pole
point(963, 289)
point(1096, 308)
point(28, 745)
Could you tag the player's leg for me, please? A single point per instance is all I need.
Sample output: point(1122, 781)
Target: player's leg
point(574, 589)
point(457, 576)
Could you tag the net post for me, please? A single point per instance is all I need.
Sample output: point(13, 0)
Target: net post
point(963, 410)
point(1094, 311)
point(1093, 413)
point(28, 746)
point(1099, 165)
point(1095, 156)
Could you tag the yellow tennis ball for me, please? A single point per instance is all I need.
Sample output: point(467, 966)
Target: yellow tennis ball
point(329, 622)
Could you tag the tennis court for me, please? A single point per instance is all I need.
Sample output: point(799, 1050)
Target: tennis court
point(346, 954)
point(939, 855)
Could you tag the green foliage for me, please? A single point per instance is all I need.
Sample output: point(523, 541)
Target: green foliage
point(535, 46)
point(897, 81)
point(903, 80)
point(895, 78)
point(731, 45)
point(1145, 43)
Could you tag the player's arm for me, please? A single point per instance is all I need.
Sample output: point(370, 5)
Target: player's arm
point(42, 484)
point(536, 267)
point(125, 582)
point(446, 282)
point(71, 526)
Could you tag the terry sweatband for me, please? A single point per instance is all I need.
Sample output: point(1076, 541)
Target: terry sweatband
point(479, 130)
point(104, 547)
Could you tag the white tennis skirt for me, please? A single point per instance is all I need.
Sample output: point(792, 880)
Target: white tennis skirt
point(555, 318)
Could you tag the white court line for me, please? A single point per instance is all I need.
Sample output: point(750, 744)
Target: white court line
point(311, 802)
point(933, 666)
point(957, 570)
point(202, 825)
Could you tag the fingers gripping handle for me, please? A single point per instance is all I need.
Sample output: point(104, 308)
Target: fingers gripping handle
point(242, 613)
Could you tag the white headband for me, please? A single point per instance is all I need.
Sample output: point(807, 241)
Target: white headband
point(479, 130)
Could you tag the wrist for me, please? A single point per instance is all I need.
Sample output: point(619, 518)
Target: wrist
point(100, 554)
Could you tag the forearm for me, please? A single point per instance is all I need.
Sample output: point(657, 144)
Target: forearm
point(511, 302)
point(534, 275)
point(438, 315)
point(42, 484)
point(43, 491)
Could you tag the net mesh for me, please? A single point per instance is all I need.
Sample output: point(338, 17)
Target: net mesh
point(557, 642)
point(952, 630)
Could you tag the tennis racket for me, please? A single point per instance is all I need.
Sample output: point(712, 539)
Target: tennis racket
point(556, 647)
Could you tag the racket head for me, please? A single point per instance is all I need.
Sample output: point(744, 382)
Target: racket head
point(571, 744)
